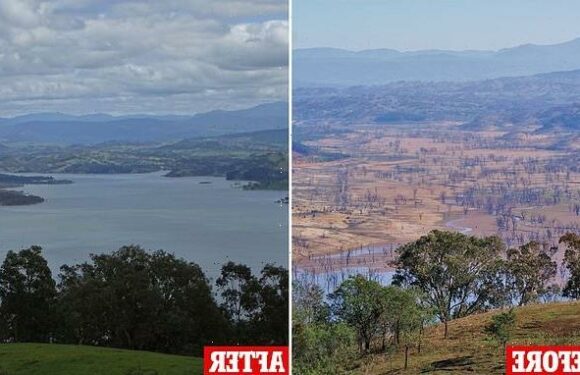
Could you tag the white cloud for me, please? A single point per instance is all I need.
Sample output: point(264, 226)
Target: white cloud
point(141, 56)
point(21, 13)
point(252, 46)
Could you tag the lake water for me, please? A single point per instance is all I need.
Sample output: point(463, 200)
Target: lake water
point(205, 223)
point(329, 281)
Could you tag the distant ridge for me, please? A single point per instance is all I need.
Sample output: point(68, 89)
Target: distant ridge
point(337, 67)
point(58, 128)
point(546, 102)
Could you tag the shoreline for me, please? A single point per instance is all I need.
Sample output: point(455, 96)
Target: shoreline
point(11, 197)
point(49, 178)
point(373, 257)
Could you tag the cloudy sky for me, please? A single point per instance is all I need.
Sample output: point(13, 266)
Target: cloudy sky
point(141, 56)
point(433, 24)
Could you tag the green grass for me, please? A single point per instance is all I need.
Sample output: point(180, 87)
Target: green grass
point(468, 350)
point(47, 359)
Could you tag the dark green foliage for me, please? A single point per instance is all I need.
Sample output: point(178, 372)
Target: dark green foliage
point(387, 314)
point(257, 307)
point(271, 324)
point(502, 326)
point(30, 180)
point(27, 295)
point(134, 299)
point(529, 268)
point(238, 290)
point(404, 316)
point(265, 169)
point(363, 316)
point(320, 346)
point(269, 171)
point(572, 263)
point(316, 152)
point(358, 302)
point(323, 349)
point(459, 274)
point(18, 198)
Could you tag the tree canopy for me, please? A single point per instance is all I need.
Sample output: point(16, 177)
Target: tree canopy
point(27, 295)
point(137, 299)
point(457, 273)
point(572, 264)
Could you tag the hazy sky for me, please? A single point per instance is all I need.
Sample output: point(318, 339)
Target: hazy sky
point(141, 56)
point(433, 24)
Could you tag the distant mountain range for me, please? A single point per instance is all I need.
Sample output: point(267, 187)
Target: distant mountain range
point(57, 128)
point(336, 67)
point(546, 102)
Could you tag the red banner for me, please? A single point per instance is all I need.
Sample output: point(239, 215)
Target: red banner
point(555, 360)
point(247, 360)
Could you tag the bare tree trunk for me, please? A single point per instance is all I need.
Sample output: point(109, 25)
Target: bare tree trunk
point(406, 355)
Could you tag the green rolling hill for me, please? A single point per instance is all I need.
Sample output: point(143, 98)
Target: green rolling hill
point(52, 359)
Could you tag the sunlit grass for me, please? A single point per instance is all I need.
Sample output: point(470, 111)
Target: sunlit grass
point(44, 359)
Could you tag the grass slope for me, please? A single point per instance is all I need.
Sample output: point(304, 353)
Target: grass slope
point(469, 350)
point(43, 359)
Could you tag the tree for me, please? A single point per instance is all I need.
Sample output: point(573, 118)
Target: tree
point(138, 300)
point(357, 302)
point(258, 308)
point(572, 263)
point(189, 317)
point(502, 326)
point(458, 274)
point(323, 349)
point(396, 303)
point(529, 269)
point(404, 317)
point(27, 297)
point(141, 300)
point(239, 289)
point(271, 322)
point(320, 346)
point(308, 305)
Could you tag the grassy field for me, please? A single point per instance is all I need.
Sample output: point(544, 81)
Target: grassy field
point(469, 351)
point(44, 359)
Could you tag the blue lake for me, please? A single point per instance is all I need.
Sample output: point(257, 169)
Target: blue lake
point(205, 220)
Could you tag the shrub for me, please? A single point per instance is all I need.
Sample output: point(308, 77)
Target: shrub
point(502, 326)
